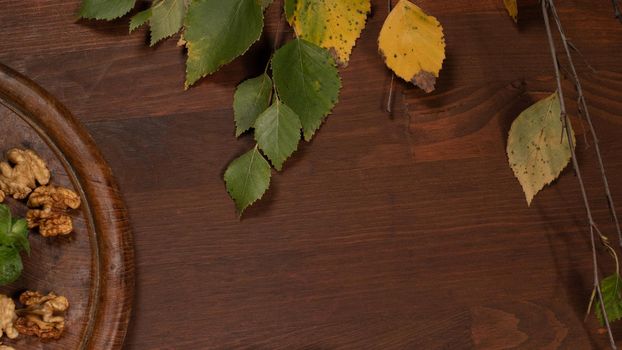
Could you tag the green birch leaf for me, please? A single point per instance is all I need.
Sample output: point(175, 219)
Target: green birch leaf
point(247, 179)
point(139, 19)
point(105, 9)
point(251, 98)
point(217, 32)
point(538, 147)
point(610, 288)
point(306, 80)
point(167, 19)
point(277, 132)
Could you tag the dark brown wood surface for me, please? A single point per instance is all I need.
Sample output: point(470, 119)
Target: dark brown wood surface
point(93, 266)
point(403, 231)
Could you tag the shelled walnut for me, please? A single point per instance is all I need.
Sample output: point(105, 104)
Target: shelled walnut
point(7, 317)
point(43, 316)
point(20, 175)
point(52, 219)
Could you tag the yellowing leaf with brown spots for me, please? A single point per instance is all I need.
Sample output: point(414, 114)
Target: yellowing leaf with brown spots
point(538, 148)
point(413, 45)
point(332, 24)
point(512, 8)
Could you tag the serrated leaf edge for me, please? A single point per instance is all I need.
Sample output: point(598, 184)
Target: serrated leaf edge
point(278, 167)
point(187, 85)
point(82, 10)
point(567, 162)
point(309, 137)
point(241, 211)
point(332, 53)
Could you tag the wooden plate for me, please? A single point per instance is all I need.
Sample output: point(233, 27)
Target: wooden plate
point(93, 267)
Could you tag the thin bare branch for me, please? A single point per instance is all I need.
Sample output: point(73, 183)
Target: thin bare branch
point(585, 111)
point(545, 14)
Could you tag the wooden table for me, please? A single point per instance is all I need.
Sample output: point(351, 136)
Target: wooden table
point(402, 231)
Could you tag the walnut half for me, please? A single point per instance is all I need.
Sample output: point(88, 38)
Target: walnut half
point(52, 219)
point(20, 175)
point(7, 317)
point(43, 316)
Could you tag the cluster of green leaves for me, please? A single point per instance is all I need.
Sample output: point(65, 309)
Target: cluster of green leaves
point(303, 91)
point(292, 102)
point(13, 240)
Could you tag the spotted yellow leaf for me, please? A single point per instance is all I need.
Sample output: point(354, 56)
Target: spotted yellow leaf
point(512, 8)
point(332, 24)
point(538, 148)
point(413, 45)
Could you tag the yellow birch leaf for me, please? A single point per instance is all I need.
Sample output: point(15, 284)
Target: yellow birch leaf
point(413, 45)
point(538, 148)
point(332, 24)
point(512, 8)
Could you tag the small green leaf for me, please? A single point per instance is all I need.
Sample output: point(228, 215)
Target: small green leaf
point(247, 178)
point(19, 233)
point(538, 147)
point(307, 80)
point(16, 236)
point(10, 265)
point(277, 132)
point(252, 97)
point(610, 288)
point(167, 19)
point(139, 19)
point(105, 9)
point(217, 32)
point(5, 219)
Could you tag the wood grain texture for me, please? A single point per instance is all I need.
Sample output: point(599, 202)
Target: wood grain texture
point(92, 267)
point(403, 231)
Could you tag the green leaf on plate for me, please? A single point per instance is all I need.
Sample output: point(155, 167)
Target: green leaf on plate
point(277, 132)
point(10, 265)
point(306, 80)
point(610, 288)
point(217, 32)
point(19, 234)
point(5, 219)
point(13, 231)
point(538, 148)
point(251, 98)
point(247, 179)
point(105, 9)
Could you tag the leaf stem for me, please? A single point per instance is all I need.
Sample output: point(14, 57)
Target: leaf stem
point(565, 121)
